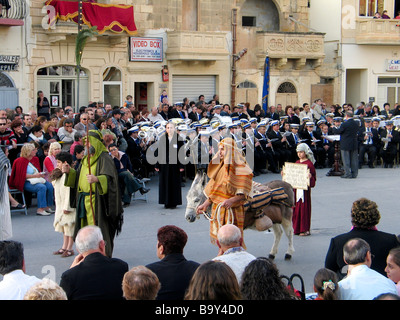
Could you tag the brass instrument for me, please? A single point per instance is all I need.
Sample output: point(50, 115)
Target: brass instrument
point(386, 141)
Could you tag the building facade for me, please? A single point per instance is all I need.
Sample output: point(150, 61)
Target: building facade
point(186, 47)
point(365, 51)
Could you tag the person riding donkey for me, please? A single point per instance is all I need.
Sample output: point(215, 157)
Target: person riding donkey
point(230, 186)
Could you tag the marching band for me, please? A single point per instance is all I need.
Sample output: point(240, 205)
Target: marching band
point(269, 143)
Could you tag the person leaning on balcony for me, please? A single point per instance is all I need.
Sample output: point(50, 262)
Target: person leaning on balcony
point(398, 15)
point(385, 15)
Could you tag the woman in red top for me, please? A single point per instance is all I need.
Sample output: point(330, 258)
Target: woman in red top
point(302, 210)
point(50, 162)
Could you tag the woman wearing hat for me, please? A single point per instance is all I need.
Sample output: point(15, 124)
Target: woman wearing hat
point(302, 210)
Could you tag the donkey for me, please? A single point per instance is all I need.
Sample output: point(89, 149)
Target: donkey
point(280, 213)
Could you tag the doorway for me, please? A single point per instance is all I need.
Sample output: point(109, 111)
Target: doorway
point(247, 92)
point(286, 95)
point(8, 92)
point(144, 93)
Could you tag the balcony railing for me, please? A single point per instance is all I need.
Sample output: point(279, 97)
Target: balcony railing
point(15, 15)
point(297, 46)
point(378, 31)
point(195, 45)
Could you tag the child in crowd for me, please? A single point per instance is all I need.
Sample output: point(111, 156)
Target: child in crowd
point(64, 218)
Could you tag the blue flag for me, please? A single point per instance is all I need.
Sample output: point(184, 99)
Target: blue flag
point(266, 85)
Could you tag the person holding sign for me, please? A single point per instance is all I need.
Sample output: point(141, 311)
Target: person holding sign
point(302, 210)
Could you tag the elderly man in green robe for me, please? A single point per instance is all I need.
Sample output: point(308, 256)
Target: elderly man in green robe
point(97, 198)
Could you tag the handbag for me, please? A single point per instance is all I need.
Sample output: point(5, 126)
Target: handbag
point(36, 180)
point(300, 294)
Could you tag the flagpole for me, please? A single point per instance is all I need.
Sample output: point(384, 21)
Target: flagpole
point(78, 67)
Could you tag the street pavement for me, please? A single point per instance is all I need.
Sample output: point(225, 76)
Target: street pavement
point(332, 199)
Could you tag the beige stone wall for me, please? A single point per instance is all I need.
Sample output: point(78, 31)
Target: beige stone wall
point(161, 17)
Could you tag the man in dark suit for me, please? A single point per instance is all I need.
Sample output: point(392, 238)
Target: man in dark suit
point(389, 148)
point(173, 271)
point(238, 112)
point(165, 112)
point(177, 112)
point(93, 275)
point(272, 114)
point(278, 143)
point(265, 149)
point(365, 216)
point(348, 132)
point(314, 141)
point(369, 143)
point(195, 115)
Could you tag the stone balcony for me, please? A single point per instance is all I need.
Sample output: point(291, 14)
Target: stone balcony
point(197, 46)
point(60, 29)
point(15, 15)
point(378, 31)
point(297, 46)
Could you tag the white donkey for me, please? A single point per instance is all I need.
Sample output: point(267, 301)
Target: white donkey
point(281, 214)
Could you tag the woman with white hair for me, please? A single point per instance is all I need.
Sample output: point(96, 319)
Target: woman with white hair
point(50, 162)
point(302, 211)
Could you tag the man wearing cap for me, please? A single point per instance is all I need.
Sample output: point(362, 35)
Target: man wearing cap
point(390, 138)
point(265, 148)
point(348, 132)
point(313, 140)
point(337, 122)
point(281, 153)
point(293, 140)
point(369, 141)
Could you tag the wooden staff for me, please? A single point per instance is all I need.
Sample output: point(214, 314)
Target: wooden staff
point(90, 169)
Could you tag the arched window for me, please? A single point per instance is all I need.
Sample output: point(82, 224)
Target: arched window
point(286, 87)
point(5, 81)
point(246, 85)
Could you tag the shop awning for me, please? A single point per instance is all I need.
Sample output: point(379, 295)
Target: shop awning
point(116, 18)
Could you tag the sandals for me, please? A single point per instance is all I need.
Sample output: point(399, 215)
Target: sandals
point(18, 206)
point(59, 251)
point(68, 253)
point(305, 234)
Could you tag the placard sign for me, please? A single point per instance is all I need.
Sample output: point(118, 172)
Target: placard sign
point(297, 175)
point(9, 63)
point(393, 65)
point(146, 49)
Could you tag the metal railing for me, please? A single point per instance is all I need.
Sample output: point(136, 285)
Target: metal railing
point(18, 10)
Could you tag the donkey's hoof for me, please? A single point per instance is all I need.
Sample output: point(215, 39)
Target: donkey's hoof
point(271, 256)
point(288, 256)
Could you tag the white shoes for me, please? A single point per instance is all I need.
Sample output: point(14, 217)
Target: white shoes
point(43, 213)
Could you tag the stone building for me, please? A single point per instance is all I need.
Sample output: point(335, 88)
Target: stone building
point(362, 53)
point(208, 47)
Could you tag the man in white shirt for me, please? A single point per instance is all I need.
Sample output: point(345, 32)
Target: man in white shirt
point(12, 266)
point(155, 116)
point(361, 282)
point(231, 251)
